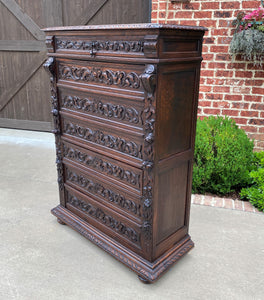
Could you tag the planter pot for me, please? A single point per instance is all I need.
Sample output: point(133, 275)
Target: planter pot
point(249, 44)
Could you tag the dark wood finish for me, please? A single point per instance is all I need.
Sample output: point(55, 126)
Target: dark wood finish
point(23, 83)
point(145, 281)
point(124, 103)
point(60, 221)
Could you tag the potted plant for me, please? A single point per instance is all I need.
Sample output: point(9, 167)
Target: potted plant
point(248, 39)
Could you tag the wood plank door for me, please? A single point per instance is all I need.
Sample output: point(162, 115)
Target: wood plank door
point(24, 85)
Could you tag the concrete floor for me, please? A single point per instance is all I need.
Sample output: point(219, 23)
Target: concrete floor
point(41, 259)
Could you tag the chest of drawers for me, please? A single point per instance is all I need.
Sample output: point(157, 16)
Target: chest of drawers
point(124, 101)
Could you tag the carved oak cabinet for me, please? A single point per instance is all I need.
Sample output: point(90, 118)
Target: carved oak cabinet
point(124, 103)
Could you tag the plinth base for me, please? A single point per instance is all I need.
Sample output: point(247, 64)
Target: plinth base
point(147, 272)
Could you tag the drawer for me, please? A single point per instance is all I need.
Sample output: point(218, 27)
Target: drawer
point(113, 224)
point(103, 76)
point(119, 109)
point(111, 141)
point(123, 175)
point(104, 191)
point(127, 46)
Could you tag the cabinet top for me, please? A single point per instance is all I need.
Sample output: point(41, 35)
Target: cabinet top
point(126, 26)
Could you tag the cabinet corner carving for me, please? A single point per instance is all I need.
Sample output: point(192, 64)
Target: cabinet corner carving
point(150, 45)
point(49, 66)
point(148, 79)
point(50, 43)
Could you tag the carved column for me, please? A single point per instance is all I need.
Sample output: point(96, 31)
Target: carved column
point(148, 79)
point(49, 66)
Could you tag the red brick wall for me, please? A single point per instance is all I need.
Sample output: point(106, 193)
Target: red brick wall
point(228, 88)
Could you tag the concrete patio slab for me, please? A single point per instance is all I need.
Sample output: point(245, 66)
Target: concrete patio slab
point(41, 259)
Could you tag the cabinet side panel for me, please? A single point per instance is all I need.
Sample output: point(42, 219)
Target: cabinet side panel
point(176, 119)
point(176, 88)
point(172, 200)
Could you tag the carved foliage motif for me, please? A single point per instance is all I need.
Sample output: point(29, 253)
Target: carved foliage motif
point(98, 137)
point(103, 218)
point(149, 82)
point(109, 77)
point(102, 165)
point(94, 46)
point(98, 189)
point(50, 67)
point(96, 106)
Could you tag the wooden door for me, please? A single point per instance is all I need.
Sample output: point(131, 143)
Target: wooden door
point(24, 85)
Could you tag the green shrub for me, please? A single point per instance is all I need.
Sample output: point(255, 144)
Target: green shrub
point(223, 157)
point(255, 193)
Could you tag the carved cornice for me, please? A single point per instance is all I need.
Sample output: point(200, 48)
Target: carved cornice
point(148, 79)
point(109, 77)
point(125, 26)
point(94, 46)
point(102, 217)
point(107, 140)
point(107, 194)
point(102, 165)
point(96, 106)
point(49, 66)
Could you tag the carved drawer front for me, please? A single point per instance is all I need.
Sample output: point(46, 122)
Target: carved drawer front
point(110, 108)
point(123, 175)
point(95, 46)
point(118, 143)
point(103, 191)
point(103, 218)
point(101, 75)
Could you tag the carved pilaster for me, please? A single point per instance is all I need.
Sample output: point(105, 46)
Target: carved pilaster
point(148, 79)
point(49, 66)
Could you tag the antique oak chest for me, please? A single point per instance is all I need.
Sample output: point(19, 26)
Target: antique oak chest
point(124, 101)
